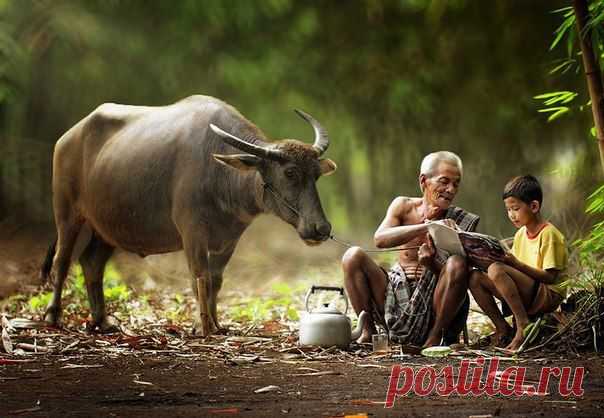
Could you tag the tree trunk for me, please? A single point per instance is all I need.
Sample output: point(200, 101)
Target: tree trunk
point(592, 72)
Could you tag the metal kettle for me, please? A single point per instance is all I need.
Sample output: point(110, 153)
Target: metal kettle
point(326, 326)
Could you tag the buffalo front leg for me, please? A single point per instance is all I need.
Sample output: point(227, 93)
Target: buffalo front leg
point(217, 262)
point(196, 251)
point(206, 320)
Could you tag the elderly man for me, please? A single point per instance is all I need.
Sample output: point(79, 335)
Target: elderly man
point(423, 297)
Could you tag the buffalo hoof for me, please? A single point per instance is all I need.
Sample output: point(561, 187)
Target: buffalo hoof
point(221, 331)
point(106, 326)
point(52, 316)
point(198, 329)
point(218, 329)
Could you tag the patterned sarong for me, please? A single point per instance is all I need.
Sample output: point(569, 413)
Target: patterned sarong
point(408, 312)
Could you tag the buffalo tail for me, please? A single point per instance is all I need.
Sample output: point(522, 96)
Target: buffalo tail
point(47, 265)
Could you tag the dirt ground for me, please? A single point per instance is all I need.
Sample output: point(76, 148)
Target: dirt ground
point(165, 385)
point(124, 382)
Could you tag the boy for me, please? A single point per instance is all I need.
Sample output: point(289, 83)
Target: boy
point(529, 277)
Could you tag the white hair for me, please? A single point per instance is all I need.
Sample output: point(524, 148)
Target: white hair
point(431, 161)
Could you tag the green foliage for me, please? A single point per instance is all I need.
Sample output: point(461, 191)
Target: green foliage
point(592, 246)
point(40, 302)
point(280, 304)
point(566, 29)
point(384, 77)
point(558, 103)
point(75, 293)
point(567, 32)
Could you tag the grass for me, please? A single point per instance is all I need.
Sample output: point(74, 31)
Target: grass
point(74, 293)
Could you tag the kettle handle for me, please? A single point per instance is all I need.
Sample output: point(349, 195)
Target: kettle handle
point(314, 288)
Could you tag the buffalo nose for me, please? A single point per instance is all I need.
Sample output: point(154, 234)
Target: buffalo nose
point(324, 229)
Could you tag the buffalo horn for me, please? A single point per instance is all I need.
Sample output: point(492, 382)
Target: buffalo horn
point(245, 146)
point(321, 138)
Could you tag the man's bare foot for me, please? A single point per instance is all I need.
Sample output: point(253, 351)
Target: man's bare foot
point(432, 341)
point(365, 337)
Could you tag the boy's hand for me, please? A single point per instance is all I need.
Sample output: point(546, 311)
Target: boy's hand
point(510, 259)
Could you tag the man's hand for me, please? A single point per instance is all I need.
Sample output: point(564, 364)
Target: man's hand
point(450, 223)
point(426, 253)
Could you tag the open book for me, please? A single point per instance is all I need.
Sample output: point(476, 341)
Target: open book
point(481, 249)
point(445, 238)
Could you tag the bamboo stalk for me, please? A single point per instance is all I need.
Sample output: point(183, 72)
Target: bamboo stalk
point(592, 72)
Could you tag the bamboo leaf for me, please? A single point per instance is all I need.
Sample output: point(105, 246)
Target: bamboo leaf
point(562, 9)
point(558, 111)
point(552, 109)
point(551, 94)
point(563, 67)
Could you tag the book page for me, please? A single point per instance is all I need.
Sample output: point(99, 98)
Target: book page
point(445, 238)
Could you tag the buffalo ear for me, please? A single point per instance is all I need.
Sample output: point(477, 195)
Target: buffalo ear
point(242, 162)
point(327, 166)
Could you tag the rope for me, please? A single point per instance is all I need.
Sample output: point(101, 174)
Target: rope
point(268, 187)
point(349, 245)
point(423, 298)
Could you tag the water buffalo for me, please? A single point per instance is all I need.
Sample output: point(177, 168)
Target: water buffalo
point(152, 180)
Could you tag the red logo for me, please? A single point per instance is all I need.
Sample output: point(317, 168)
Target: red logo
point(480, 380)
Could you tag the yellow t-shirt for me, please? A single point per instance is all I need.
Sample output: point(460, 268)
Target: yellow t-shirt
point(545, 251)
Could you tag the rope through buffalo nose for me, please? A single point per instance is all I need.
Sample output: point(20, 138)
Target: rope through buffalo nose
point(269, 187)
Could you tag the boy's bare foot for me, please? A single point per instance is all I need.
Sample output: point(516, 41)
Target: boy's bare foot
point(516, 343)
point(502, 337)
point(518, 338)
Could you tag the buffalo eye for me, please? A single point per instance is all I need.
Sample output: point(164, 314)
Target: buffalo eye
point(291, 173)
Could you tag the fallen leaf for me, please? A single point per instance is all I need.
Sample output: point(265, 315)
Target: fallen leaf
point(33, 347)
point(23, 411)
point(6, 324)
point(70, 346)
point(377, 366)
point(226, 411)
point(269, 388)
point(13, 361)
point(310, 369)
point(6, 342)
point(325, 373)
point(366, 402)
point(22, 323)
point(239, 360)
point(81, 366)
point(140, 382)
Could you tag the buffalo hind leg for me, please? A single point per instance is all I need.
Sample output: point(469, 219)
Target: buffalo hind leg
point(67, 234)
point(93, 261)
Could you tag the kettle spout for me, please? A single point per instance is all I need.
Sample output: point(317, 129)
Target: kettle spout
point(360, 324)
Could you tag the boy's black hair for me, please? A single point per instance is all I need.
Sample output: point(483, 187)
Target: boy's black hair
point(525, 188)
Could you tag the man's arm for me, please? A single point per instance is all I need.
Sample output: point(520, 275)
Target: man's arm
point(391, 233)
